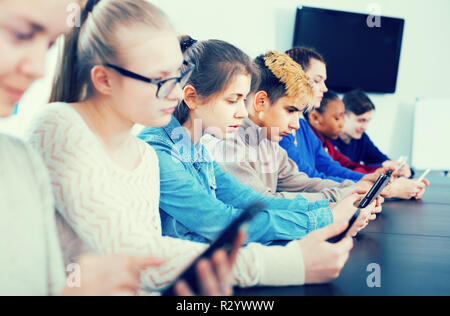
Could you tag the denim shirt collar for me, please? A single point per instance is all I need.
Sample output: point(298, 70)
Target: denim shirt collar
point(184, 146)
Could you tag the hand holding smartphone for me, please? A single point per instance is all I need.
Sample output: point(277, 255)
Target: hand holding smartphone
point(424, 175)
point(374, 192)
point(225, 241)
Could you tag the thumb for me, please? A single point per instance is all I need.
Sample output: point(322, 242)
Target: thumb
point(358, 191)
point(330, 231)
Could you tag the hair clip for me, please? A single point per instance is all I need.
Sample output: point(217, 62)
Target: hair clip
point(187, 43)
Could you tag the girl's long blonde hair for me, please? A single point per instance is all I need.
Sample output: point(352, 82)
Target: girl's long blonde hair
point(95, 42)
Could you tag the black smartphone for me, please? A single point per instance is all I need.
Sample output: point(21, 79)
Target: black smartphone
point(376, 189)
point(225, 241)
point(373, 193)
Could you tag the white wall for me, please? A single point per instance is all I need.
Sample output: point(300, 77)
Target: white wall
point(259, 25)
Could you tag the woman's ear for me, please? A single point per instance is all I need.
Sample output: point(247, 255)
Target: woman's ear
point(101, 79)
point(261, 100)
point(190, 97)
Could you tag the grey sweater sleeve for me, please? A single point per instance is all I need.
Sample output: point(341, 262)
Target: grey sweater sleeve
point(233, 157)
point(285, 181)
point(290, 179)
point(56, 276)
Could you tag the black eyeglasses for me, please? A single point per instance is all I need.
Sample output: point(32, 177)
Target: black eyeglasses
point(165, 87)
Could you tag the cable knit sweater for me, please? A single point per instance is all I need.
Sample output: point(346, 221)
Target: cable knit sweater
point(31, 262)
point(106, 209)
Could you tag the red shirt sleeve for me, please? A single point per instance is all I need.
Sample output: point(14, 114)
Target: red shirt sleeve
point(346, 162)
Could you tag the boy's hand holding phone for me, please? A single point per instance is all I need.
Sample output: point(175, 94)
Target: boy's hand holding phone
point(373, 177)
point(407, 188)
point(367, 207)
point(344, 210)
point(324, 261)
point(365, 216)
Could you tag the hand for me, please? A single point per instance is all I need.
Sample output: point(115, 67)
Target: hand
point(407, 188)
point(369, 180)
point(366, 215)
point(215, 276)
point(387, 191)
point(373, 177)
point(391, 164)
point(345, 209)
point(324, 261)
point(364, 185)
point(405, 171)
point(379, 205)
point(110, 275)
point(422, 190)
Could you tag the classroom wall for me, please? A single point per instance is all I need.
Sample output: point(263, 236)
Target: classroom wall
point(258, 25)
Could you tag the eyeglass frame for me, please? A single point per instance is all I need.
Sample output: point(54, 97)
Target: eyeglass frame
point(127, 73)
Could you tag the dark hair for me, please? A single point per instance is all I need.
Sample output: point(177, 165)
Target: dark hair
point(269, 82)
point(95, 42)
point(327, 97)
point(357, 102)
point(216, 64)
point(303, 56)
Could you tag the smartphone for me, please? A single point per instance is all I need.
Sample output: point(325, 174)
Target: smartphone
point(376, 189)
point(424, 175)
point(225, 241)
point(342, 235)
point(374, 192)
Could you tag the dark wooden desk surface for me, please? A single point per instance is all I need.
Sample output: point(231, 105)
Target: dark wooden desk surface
point(411, 244)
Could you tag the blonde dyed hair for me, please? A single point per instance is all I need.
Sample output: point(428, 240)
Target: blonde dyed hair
point(297, 83)
point(96, 42)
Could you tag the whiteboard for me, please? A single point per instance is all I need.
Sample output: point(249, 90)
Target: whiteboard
point(431, 134)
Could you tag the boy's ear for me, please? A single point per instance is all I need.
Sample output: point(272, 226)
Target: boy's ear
point(190, 97)
point(261, 100)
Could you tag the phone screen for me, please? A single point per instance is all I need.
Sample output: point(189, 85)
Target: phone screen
point(225, 241)
point(373, 193)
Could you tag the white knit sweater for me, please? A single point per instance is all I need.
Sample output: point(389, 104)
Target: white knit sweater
point(106, 209)
point(30, 255)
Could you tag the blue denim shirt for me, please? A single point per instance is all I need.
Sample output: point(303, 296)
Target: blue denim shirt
point(198, 200)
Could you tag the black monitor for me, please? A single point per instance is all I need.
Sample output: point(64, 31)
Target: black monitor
point(357, 55)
